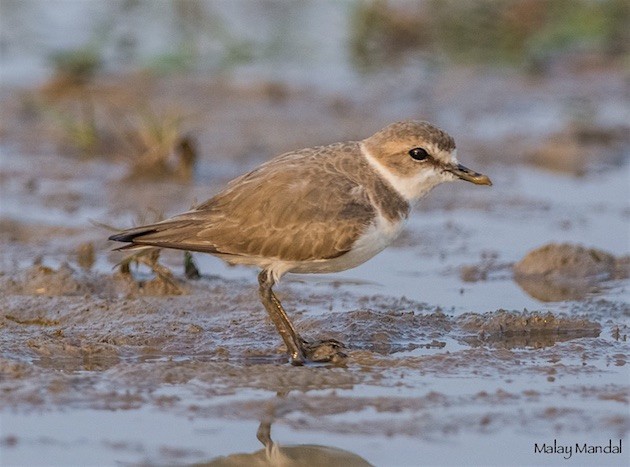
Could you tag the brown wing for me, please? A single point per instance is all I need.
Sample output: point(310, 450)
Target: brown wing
point(300, 206)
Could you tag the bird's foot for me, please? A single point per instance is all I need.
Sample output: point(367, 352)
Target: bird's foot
point(320, 351)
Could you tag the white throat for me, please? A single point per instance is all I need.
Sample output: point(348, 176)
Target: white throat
point(410, 188)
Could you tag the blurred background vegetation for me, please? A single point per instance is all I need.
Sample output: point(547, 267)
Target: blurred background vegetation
point(80, 38)
point(502, 32)
point(75, 53)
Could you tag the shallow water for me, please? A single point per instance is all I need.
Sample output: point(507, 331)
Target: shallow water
point(112, 437)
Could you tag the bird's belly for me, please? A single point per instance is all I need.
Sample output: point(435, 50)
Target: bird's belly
point(376, 238)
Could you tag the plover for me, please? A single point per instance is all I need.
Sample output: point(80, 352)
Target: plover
point(315, 210)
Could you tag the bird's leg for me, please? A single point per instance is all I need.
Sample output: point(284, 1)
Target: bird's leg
point(299, 349)
point(280, 319)
point(264, 436)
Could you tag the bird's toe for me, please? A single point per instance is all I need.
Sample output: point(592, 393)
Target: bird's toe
point(325, 351)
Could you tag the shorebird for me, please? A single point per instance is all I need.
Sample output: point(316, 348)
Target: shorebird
point(315, 210)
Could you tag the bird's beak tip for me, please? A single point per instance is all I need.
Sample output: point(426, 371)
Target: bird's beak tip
point(470, 175)
point(482, 180)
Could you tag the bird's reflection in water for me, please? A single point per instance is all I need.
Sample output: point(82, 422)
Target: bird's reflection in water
point(303, 455)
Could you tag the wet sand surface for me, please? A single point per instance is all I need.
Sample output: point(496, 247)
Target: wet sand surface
point(498, 320)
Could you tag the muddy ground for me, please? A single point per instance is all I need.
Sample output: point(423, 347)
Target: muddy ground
point(455, 356)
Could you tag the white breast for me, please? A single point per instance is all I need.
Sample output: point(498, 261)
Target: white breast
point(375, 239)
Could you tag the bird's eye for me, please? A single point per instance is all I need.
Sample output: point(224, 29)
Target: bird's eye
point(419, 154)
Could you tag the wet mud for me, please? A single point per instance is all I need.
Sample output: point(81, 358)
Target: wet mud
point(73, 340)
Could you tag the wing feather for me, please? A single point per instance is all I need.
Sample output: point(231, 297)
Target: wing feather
point(298, 207)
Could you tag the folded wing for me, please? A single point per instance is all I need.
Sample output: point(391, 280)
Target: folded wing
point(298, 207)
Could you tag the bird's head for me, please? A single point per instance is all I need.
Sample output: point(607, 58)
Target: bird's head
point(416, 156)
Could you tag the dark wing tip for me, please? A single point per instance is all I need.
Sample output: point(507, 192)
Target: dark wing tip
point(130, 235)
point(119, 237)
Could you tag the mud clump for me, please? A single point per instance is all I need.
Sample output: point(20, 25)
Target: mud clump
point(67, 281)
point(43, 280)
point(556, 272)
point(567, 260)
point(158, 286)
point(85, 255)
point(385, 332)
point(528, 329)
point(164, 282)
